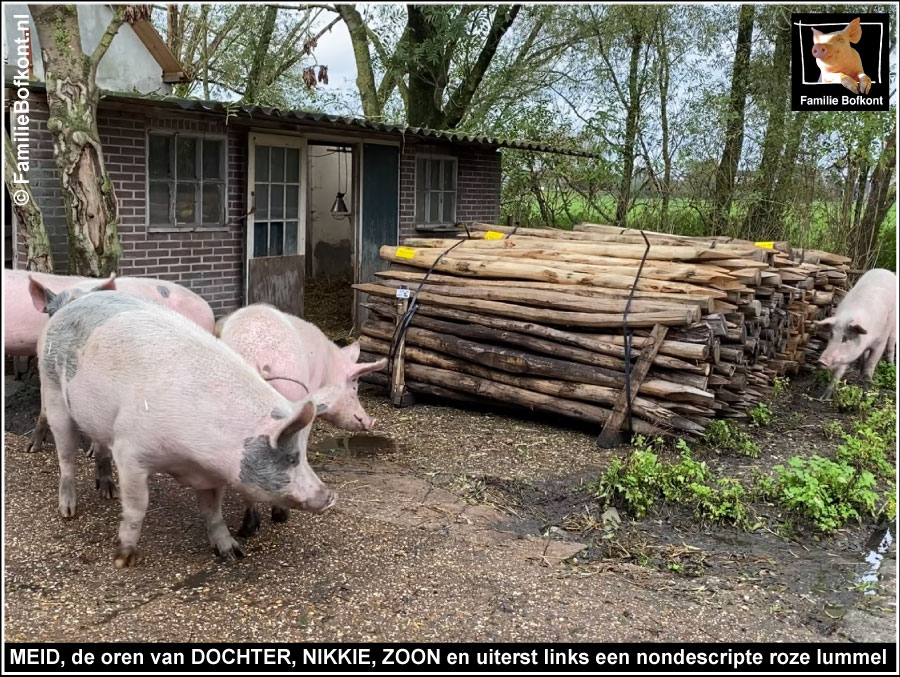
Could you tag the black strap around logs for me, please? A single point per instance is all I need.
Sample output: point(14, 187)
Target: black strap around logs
point(627, 333)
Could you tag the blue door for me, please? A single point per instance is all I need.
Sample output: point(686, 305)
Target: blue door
point(380, 224)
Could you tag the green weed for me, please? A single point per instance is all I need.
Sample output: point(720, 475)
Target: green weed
point(760, 415)
point(725, 436)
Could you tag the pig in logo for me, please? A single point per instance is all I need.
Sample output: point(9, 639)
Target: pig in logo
point(840, 62)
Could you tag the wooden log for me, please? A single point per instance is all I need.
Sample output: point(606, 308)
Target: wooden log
point(605, 344)
point(683, 316)
point(549, 273)
point(646, 408)
point(610, 433)
point(518, 362)
point(703, 300)
point(487, 334)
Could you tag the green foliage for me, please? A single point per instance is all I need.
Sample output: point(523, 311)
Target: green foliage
point(760, 415)
point(824, 492)
point(873, 441)
point(852, 399)
point(885, 376)
point(725, 436)
point(643, 482)
point(832, 430)
point(780, 386)
point(822, 377)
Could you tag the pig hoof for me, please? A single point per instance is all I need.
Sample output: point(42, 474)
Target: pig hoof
point(34, 445)
point(107, 487)
point(125, 557)
point(280, 515)
point(231, 553)
point(251, 524)
point(67, 499)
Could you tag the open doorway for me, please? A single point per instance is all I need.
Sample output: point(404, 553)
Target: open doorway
point(329, 238)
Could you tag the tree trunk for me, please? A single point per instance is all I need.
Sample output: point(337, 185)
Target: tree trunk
point(665, 187)
point(29, 219)
point(631, 128)
point(881, 195)
point(365, 78)
point(255, 76)
point(92, 212)
point(734, 126)
point(784, 186)
point(758, 221)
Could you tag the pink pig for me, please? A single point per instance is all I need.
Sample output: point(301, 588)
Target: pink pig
point(167, 397)
point(864, 325)
point(838, 62)
point(296, 358)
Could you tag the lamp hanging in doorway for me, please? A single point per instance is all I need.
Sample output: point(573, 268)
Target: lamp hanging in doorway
point(339, 209)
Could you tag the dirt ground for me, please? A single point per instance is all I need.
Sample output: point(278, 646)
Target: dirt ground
point(452, 525)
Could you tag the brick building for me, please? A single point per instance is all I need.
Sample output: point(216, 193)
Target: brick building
point(238, 202)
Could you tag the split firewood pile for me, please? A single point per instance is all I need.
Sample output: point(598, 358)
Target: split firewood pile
point(537, 318)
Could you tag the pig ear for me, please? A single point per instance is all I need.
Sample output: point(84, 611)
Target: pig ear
point(40, 295)
point(816, 35)
point(303, 416)
point(853, 30)
point(364, 368)
point(351, 352)
point(108, 285)
point(325, 398)
point(855, 328)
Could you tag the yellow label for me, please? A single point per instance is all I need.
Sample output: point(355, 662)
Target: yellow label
point(406, 252)
point(767, 245)
point(493, 235)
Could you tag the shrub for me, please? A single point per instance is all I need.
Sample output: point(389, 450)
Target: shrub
point(780, 386)
point(760, 415)
point(885, 376)
point(850, 398)
point(832, 430)
point(824, 492)
point(724, 435)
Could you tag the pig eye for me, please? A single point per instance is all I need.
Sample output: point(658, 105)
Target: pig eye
point(844, 338)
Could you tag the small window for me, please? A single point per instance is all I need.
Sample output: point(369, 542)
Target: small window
point(435, 191)
point(186, 180)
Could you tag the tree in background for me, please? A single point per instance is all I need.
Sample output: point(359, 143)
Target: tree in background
point(29, 219)
point(92, 211)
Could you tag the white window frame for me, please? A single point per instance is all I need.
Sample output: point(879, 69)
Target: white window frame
point(198, 205)
point(428, 192)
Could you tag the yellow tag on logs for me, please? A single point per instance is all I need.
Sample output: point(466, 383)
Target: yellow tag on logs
point(405, 252)
point(766, 245)
point(493, 235)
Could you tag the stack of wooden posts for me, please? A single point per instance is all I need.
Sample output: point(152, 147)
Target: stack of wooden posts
point(536, 319)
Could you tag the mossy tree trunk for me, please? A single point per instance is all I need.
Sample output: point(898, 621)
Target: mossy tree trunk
point(29, 219)
point(92, 212)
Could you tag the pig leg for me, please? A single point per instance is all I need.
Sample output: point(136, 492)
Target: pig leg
point(135, 497)
point(251, 523)
point(36, 442)
point(280, 515)
point(224, 545)
point(890, 347)
point(865, 83)
point(65, 432)
point(103, 478)
point(837, 373)
point(875, 353)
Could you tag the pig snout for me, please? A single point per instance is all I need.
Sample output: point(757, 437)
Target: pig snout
point(365, 422)
point(321, 501)
point(820, 51)
point(825, 360)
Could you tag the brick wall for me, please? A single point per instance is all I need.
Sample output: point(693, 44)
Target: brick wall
point(477, 185)
point(209, 263)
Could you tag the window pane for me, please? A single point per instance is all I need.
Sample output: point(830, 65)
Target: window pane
point(434, 214)
point(435, 178)
point(276, 238)
point(276, 205)
point(420, 206)
point(212, 203)
point(159, 203)
point(449, 207)
point(212, 159)
point(262, 202)
point(187, 157)
point(262, 163)
point(186, 203)
point(260, 240)
point(292, 199)
point(160, 159)
point(277, 164)
point(290, 237)
point(449, 175)
point(420, 174)
point(292, 174)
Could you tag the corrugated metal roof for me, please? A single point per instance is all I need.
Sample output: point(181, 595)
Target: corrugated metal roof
point(336, 122)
